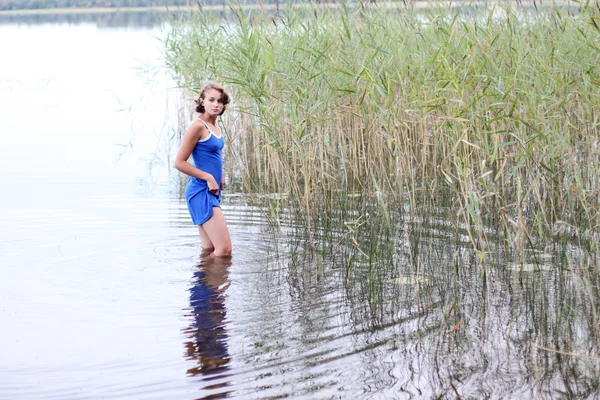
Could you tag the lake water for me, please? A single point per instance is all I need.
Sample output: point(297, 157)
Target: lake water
point(103, 292)
point(98, 254)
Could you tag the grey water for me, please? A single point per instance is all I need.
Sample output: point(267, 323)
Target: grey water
point(104, 293)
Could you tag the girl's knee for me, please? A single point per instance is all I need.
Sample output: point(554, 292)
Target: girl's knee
point(223, 251)
point(207, 250)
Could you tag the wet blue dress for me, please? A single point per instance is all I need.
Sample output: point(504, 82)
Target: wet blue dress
point(207, 157)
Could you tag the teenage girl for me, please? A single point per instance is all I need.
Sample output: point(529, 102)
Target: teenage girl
point(203, 140)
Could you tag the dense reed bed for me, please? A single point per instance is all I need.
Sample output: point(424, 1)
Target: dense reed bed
point(494, 106)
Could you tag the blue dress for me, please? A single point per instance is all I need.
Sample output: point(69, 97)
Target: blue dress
point(207, 157)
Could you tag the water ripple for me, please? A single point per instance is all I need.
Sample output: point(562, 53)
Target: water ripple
point(113, 300)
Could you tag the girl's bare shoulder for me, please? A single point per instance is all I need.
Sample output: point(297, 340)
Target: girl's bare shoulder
point(197, 129)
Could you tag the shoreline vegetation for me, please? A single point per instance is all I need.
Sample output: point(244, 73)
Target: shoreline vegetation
point(489, 108)
point(192, 8)
point(420, 4)
point(93, 10)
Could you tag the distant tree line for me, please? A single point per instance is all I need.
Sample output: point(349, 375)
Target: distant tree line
point(41, 4)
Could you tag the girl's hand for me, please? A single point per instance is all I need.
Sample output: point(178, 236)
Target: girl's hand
point(213, 187)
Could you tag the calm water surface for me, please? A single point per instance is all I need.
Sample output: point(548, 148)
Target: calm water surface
point(103, 292)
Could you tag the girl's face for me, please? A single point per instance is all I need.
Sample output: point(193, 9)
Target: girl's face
point(212, 102)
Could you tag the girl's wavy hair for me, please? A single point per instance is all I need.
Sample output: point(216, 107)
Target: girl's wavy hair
point(211, 85)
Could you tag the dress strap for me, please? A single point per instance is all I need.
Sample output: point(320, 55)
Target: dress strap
point(208, 127)
point(205, 124)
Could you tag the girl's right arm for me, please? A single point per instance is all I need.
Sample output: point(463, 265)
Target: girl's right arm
point(194, 133)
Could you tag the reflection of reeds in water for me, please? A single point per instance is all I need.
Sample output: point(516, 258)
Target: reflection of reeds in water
point(417, 283)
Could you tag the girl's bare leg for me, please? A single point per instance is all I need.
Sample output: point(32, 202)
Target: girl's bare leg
point(218, 234)
point(207, 245)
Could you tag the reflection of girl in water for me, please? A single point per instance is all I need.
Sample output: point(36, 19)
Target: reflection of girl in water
point(207, 333)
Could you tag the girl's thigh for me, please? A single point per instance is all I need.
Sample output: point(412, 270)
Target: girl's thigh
point(217, 232)
point(207, 245)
